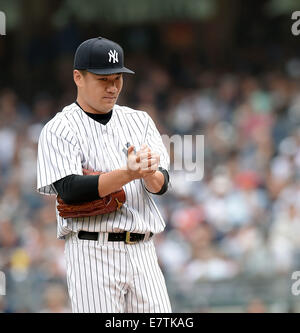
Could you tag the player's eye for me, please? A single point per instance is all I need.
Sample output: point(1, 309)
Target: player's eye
point(103, 79)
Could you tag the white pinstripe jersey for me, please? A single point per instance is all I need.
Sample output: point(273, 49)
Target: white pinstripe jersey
point(72, 140)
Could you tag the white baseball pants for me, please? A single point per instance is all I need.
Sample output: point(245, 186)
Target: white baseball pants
point(114, 277)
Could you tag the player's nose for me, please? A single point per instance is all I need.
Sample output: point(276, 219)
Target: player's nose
point(112, 88)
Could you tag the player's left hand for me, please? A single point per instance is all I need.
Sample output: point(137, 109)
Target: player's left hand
point(148, 159)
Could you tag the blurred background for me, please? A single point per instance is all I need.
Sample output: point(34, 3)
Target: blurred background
point(225, 69)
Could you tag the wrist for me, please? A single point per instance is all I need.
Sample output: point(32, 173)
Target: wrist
point(154, 182)
point(129, 174)
point(149, 176)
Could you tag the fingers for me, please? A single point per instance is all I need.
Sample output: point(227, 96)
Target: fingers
point(144, 155)
point(143, 163)
point(144, 147)
point(145, 152)
point(85, 171)
point(132, 162)
point(130, 150)
point(149, 158)
point(150, 163)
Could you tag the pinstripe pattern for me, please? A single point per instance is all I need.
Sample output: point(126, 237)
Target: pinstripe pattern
point(72, 141)
point(127, 278)
point(106, 276)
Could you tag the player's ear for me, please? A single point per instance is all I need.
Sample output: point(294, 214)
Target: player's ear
point(78, 77)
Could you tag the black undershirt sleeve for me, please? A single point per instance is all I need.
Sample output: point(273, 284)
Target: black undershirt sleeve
point(76, 188)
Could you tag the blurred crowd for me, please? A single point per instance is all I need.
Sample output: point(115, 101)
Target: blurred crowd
point(241, 218)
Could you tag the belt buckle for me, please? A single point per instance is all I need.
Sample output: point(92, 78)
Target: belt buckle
point(127, 238)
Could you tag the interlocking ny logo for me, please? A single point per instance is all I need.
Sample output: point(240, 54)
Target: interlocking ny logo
point(113, 56)
point(2, 24)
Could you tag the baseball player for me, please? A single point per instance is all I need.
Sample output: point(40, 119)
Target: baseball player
point(110, 257)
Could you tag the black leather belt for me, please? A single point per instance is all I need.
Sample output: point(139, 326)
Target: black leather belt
point(126, 236)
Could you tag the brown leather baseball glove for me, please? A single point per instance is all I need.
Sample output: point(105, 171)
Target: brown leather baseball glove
point(105, 205)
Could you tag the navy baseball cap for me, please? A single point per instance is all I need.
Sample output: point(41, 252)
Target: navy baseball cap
point(100, 56)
